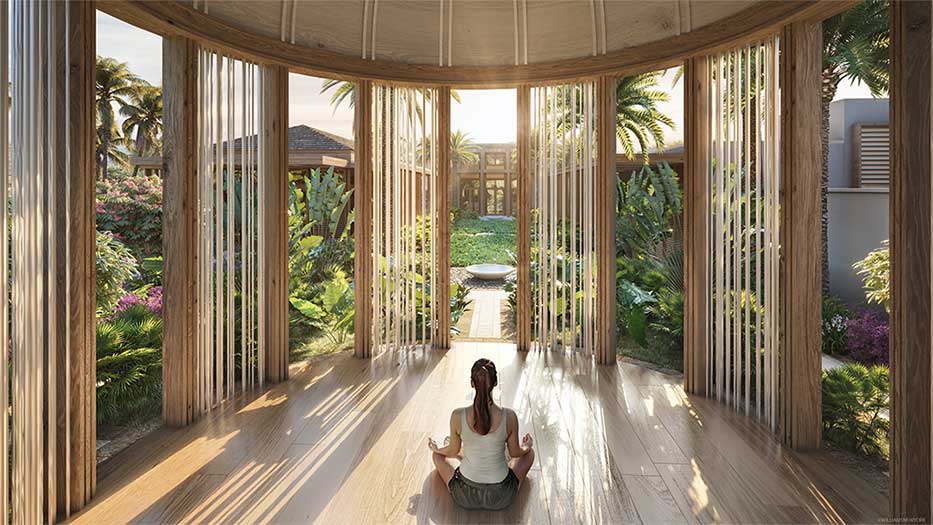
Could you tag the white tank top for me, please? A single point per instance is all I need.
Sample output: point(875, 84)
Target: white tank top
point(484, 456)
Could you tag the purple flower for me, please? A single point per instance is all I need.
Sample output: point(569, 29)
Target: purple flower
point(152, 301)
point(867, 336)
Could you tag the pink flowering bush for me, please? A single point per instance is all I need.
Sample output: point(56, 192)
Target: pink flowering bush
point(131, 207)
point(867, 336)
point(152, 301)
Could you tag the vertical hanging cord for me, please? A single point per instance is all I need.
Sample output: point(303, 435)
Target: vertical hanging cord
point(294, 11)
point(595, 31)
point(440, 35)
point(515, 31)
point(363, 27)
point(525, 31)
point(602, 18)
point(372, 31)
point(450, 32)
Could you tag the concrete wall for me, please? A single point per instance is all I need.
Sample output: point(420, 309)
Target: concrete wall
point(858, 218)
point(858, 222)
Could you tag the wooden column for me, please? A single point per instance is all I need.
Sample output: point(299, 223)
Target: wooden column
point(801, 281)
point(523, 221)
point(179, 231)
point(910, 211)
point(696, 223)
point(605, 188)
point(363, 222)
point(77, 357)
point(443, 217)
point(275, 214)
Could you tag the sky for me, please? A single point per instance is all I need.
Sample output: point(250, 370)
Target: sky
point(486, 115)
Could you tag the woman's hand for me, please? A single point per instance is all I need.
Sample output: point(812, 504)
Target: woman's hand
point(527, 442)
point(432, 445)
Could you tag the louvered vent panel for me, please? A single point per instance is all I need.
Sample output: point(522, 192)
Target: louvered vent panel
point(872, 163)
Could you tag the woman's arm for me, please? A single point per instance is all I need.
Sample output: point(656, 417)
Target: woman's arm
point(516, 450)
point(452, 448)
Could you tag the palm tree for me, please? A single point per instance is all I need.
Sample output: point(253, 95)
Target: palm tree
point(345, 91)
point(115, 83)
point(143, 113)
point(462, 149)
point(855, 48)
point(638, 118)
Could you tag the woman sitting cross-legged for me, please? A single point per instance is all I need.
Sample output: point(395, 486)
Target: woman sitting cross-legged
point(481, 477)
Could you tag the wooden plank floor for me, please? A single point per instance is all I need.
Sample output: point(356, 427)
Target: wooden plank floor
point(344, 441)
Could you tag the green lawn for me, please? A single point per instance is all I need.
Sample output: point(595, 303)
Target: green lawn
point(471, 244)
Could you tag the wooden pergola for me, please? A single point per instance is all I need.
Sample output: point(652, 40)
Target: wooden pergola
point(187, 28)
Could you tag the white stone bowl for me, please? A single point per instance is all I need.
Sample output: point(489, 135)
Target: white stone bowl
point(489, 272)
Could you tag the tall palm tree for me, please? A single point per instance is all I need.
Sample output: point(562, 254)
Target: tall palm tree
point(638, 119)
point(855, 48)
point(143, 113)
point(115, 84)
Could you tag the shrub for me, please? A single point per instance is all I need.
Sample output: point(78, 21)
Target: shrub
point(867, 337)
point(130, 206)
point(835, 316)
point(115, 266)
point(854, 397)
point(647, 202)
point(875, 270)
point(459, 214)
point(149, 298)
point(129, 366)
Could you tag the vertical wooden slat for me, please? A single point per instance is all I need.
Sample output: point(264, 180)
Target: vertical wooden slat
point(606, 220)
point(274, 241)
point(179, 225)
point(696, 223)
point(801, 287)
point(523, 221)
point(910, 211)
point(443, 217)
point(81, 403)
point(363, 222)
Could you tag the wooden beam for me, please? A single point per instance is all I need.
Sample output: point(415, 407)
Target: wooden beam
point(523, 221)
point(606, 220)
point(910, 211)
point(76, 220)
point(179, 231)
point(363, 222)
point(801, 280)
point(696, 223)
point(275, 239)
point(443, 217)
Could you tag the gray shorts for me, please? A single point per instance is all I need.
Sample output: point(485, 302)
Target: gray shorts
point(488, 496)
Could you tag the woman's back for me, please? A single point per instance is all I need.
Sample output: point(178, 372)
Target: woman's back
point(484, 458)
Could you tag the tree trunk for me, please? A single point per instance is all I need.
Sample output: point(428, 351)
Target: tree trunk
point(105, 156)
point(829, 84)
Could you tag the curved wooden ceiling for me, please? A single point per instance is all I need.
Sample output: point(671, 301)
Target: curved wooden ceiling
point(467, 42)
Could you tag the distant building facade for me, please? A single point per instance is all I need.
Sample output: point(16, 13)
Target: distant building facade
point(858, 189)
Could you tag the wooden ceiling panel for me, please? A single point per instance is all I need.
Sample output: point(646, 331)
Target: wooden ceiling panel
point(633, 23)
point(559, 30)
point(315, 24)
point(406, 31)
point(483, 33)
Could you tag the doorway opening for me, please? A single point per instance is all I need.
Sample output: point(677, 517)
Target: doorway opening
point(483, 188)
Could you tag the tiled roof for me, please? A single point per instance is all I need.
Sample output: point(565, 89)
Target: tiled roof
point(306, 138)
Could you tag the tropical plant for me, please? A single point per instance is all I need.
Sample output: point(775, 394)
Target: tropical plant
point(875, 270)
point(855, 48)
point(638, 118)
point(647, 203)
point(115, 84)
point(115, 266)
point(835, 316)
point(321, 198)
point(854, 401)
point(867, 336)
point(129, 366)
point(462, 149)
point(143, 116)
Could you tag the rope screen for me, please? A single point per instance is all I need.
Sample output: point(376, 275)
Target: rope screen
point(563, 255)
point(230, 172)
point(742, 360)
point(37, 362)
point(405, 192)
